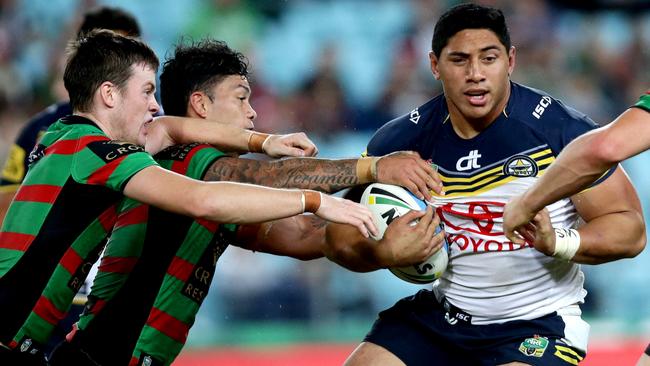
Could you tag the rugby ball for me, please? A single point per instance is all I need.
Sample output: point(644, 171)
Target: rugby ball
point(388, 202)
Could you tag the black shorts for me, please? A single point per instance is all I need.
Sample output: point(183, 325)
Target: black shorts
point(421, 331)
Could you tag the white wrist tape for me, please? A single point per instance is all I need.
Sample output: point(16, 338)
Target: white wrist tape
point(302, 200)
point(567, 242)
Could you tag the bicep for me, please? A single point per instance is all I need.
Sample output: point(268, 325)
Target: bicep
point(615, 194)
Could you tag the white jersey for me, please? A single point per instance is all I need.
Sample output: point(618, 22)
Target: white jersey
point(488, 276)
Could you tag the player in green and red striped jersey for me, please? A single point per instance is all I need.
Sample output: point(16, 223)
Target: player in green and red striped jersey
point(580, 164)
point(158, 266)
point(87, 162)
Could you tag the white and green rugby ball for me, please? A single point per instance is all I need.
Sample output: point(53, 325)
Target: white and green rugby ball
point(388, 202)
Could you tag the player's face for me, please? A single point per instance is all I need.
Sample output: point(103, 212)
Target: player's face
point(230, 102)
point(137, 104)
point(475, 70)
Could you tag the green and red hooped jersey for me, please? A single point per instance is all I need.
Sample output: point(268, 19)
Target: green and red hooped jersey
point(154, 274)
point(57, 224)
point(644, 102)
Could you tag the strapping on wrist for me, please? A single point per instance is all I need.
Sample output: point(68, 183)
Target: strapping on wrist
point(567, 243)
point(256, 141)
point(367, 169)
point(311, 201)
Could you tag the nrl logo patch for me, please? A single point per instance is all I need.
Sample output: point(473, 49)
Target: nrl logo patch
point(27, 343)
point(534, 347)
point(520, 166)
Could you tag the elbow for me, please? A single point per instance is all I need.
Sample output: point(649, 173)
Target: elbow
point(639, 240)
point(204, 206)
point(607, 150)
point(639, 245)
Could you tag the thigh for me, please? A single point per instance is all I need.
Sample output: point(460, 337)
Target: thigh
point(368, 353)
point(415, 331)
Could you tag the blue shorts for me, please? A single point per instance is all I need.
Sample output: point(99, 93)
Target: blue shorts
point(422, 331)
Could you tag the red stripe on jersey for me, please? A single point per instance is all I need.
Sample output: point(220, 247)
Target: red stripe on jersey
point(101, 175)
point(98, 305)
point(67, 147)
point(117, 264)
point(210, 225)
point(108, 218)
point(168, 325)
point(71, 260)
point(134, 361)
point(15, 241)
point(46, 310)
point(181, 166)
point(38, 193)
point(136, 215)
point(180, 268)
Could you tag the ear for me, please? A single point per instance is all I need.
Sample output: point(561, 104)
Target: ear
point(197, 104)
point(108, 93)
point(511, 60)
point(433, 60)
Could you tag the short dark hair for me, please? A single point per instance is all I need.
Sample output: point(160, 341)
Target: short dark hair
point(106, 17)
point(102, 55)
point(469, 16)
point(197, 66)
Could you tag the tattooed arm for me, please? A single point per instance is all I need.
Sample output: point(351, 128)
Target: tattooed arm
point(401, 168)
point(304, 173)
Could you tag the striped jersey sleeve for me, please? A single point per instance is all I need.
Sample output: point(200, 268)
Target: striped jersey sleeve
point(644, 102)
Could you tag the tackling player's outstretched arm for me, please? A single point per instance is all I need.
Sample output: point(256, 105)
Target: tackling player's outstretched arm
point(166, 131)
point(308, 237)
point(406, 169)
point(239, 203)
point(579, 164)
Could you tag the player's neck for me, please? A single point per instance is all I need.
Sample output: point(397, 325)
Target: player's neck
point(96, 120)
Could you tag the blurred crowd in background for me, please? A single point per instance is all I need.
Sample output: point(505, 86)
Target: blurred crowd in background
point(339, 70)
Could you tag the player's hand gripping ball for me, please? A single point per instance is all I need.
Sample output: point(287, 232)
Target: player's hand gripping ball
point(387, 202)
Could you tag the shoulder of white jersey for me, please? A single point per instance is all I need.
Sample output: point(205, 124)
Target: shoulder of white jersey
point(406, 132)
point(548, 116)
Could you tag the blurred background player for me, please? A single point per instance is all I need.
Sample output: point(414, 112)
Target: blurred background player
point(158, 266)
point(581, 163)
point(58, 222)
point(498, 302)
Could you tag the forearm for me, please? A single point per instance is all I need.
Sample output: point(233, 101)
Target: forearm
point(243, 203)
point(304, 173)
point(183, 130)
point(586, 158)
point(575, 168)
point(345, 247)
point(611, 237)
point(301, 237)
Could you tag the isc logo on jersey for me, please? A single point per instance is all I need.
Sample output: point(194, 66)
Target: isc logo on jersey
point(388, 202)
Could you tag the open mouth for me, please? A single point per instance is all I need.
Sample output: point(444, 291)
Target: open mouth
point(476, 97)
